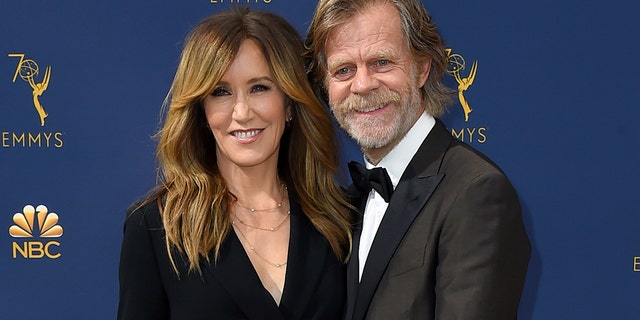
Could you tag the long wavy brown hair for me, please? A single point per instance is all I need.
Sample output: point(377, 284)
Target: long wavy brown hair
point(194, 198)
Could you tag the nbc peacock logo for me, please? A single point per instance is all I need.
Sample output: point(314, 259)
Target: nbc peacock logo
point(25, 227)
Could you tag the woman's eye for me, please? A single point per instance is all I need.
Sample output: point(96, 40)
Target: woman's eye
point(260, 88)
point(218, 92)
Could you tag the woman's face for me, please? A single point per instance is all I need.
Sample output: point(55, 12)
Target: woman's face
point(246, 111)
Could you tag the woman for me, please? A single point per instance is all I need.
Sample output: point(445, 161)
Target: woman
point(247, 222)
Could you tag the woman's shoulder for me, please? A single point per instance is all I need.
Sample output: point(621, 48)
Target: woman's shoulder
point(146, 213)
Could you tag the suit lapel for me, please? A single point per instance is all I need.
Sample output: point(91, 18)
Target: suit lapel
point(304, 264)
point(417, 184)
point(405, 204)
point(235, 272)
point(359, 202)
point(429, 156)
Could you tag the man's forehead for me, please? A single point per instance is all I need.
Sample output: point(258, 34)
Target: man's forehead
point(366, 31)
point(364, 43)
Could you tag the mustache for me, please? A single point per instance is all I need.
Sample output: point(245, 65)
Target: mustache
point(370, 101)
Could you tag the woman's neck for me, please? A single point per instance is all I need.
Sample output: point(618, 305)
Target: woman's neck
point(254, 186)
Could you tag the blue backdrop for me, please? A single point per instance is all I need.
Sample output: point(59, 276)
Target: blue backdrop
point(554, 99)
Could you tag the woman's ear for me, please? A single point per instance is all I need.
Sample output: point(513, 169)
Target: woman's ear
point(289, 110)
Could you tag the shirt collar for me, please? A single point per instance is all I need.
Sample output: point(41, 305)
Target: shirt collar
point(397, 160)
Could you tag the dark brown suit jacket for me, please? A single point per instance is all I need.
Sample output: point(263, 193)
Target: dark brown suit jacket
point(452, 244)
point(149, 288)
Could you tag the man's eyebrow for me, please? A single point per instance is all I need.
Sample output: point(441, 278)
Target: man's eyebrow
point(337, 63)
point(381, 54)
point(384, 54)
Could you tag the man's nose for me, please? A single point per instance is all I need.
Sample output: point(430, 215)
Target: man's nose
point(364, 81)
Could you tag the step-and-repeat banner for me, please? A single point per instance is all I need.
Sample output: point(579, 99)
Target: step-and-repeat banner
point(548, 89)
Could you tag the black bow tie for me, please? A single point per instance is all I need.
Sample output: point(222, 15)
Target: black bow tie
point(376, 178)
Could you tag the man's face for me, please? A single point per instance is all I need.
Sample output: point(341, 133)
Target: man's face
point(372, 81)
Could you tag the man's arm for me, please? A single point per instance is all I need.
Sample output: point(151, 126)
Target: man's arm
point(483, 253)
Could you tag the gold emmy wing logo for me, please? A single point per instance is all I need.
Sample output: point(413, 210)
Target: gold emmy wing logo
point(25, 227)
point(28, 69)
point(455, 68)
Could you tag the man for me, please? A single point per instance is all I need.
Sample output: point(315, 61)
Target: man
point(449, 243)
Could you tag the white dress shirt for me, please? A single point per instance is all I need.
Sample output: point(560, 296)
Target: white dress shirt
point(396, 161)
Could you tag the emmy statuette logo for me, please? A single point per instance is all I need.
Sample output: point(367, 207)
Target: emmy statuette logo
point(25, 227)
point(456, 66)
point(38, 80)
point(28, 70)
point(457, 69)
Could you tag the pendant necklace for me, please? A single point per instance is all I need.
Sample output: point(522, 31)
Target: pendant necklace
point(253, 249)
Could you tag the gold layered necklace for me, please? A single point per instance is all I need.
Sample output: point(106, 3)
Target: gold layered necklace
point(270, 229)
point(253, 249)
point(286, 217)
point(253, 209)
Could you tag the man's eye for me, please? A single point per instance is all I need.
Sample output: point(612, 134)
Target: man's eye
point(343, 73)
point(343, 70)
point(218, 92)
point(383, 63)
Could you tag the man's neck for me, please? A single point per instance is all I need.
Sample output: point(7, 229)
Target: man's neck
point(375, 155)
point(402, 152)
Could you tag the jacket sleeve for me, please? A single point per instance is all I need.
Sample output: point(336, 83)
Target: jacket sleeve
point(142, 295)
point(483, 253)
